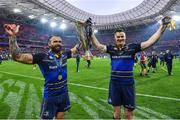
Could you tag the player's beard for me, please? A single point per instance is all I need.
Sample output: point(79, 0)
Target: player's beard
point(56, 49)
point(120, 44)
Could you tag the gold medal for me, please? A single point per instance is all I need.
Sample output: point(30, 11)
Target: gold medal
point(60, 77)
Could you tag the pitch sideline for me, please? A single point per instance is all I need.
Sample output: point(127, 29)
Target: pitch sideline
point(92, 87)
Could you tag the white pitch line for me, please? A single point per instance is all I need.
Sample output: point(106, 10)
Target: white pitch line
point(97, 88)
point(160, 97)
point(1, 75)
point(33, 102)
point(22, 75)
point(87, 86)
point(144, 114)
point(98, 105)
point(105, 101)
point(86, 107)
point(108, 105)
point(162, 116)
point(164, 69)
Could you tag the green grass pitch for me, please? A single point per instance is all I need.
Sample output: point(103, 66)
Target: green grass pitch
point(21, 87)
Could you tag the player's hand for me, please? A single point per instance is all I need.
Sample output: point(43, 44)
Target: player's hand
point(169, 22)
point(166, 20)
point(78, 47)
point(11, 29)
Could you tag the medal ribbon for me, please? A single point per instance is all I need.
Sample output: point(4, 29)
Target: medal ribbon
point(58, 63)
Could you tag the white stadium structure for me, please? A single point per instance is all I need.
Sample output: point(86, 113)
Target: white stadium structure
point(61, 10)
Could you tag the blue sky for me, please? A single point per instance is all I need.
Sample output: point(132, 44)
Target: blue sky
point(105, 7)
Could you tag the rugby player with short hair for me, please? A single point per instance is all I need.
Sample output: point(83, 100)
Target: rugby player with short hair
point(53, 66)
point(121, 87)
point(78, 58)
point(143, 60)
point(168, 57)
point(161, 57)
point(154, 61)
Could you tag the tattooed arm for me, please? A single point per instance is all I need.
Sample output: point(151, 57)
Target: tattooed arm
point(15, 51)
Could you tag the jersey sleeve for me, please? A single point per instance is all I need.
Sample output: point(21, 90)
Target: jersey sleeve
point(136, 47)
point(38, 57)
point(68, 54)
point(108, 48)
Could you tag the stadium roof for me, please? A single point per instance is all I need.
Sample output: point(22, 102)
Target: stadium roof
point(145, 12)
point(105, 7)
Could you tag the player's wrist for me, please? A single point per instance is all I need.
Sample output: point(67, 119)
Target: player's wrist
point(12, 36)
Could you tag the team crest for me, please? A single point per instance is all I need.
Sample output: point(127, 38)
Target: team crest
point(60, 77)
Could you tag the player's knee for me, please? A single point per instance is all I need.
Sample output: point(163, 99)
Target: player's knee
point(60, 115)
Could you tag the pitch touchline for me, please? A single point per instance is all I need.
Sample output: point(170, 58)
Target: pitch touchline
point(92, 87)
point(163, 69)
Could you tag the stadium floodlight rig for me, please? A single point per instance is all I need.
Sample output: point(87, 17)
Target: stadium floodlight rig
point(63, 26)
point(31, 16)
point(95, 31)
point(16, 10)
point(53, 24)
point(138, 15)
point(144, 13)
point(176, 18)
point(44, 20)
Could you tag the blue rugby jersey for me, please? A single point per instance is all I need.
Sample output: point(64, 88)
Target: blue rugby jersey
point(122, 62)
point(55, 81)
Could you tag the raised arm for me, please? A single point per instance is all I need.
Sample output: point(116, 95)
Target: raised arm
point(76, 49)
point(12, 30)
point(156, 36)
point(97, 44)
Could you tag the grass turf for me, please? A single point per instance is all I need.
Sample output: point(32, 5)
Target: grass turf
point(21, 91)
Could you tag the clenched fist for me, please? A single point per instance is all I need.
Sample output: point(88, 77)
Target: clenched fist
point(11, 29)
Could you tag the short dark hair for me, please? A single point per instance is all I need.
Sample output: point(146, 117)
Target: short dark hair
point(49, 38)
point(119, 30)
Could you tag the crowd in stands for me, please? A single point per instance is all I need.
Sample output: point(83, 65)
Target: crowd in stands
point(34, 39)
